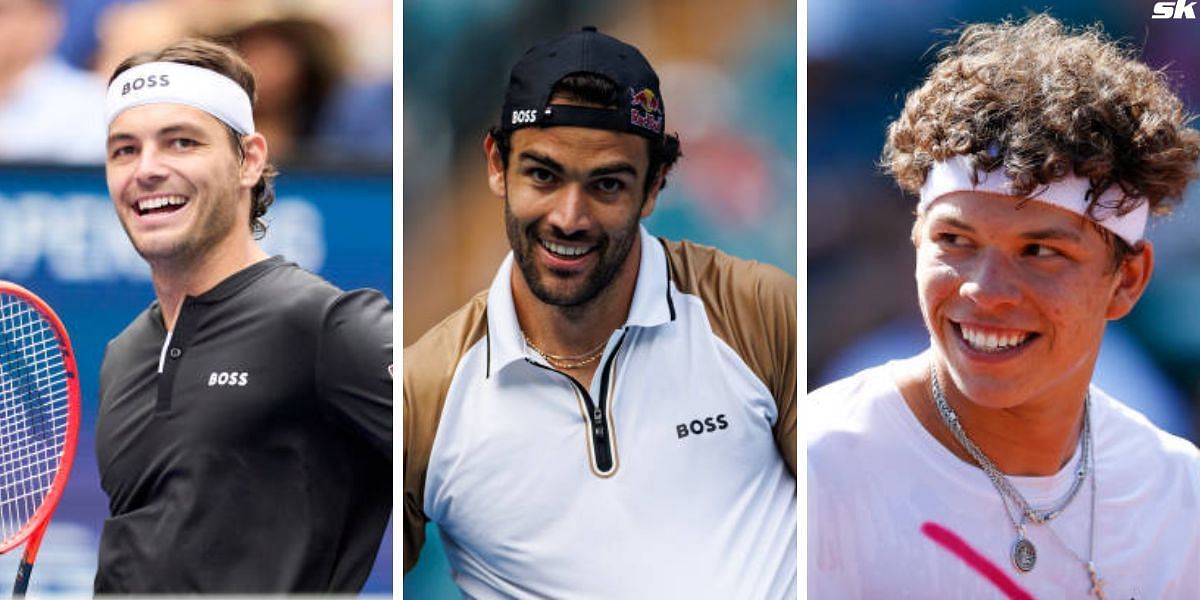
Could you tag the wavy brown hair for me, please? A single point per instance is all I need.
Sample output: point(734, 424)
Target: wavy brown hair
point(1045, 101)
point(216, 57)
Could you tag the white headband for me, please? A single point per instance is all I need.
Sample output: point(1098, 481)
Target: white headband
point(177, 83)
point(1070, 193)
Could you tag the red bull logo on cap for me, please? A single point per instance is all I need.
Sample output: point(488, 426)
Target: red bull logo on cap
point(645, 109)
point(645, 99)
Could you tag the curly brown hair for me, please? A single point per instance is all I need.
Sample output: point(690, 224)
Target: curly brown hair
point(1045, 101)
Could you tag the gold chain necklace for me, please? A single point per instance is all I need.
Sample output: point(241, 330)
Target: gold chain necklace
point(568, 362)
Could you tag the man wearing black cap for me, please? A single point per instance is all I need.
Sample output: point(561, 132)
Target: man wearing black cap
point(615, 416)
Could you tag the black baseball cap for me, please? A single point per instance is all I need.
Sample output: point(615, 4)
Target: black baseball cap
point(639, 110)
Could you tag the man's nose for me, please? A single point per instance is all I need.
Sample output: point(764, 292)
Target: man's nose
point(151, 170)
point(571, 210)
point(991, 282)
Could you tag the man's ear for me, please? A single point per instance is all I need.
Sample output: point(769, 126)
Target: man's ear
point(652, 193)
point(1132, 276)
point(254, 159)
point(495, 166)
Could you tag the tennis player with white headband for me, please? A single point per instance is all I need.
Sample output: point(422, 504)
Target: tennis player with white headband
point(245, 416)
point(989, 463)
point(177, 83)
point(1071, 192)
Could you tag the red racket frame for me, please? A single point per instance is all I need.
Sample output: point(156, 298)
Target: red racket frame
point(35, 527)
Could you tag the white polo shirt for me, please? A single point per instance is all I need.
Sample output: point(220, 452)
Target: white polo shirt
point(672, 476)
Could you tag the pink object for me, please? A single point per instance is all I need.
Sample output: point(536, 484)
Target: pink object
point(950, 541)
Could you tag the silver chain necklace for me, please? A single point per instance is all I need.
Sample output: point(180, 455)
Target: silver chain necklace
point(1001, 482)
point(1023, 553)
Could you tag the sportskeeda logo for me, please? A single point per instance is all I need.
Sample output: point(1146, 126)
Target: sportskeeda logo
point(1179, 9)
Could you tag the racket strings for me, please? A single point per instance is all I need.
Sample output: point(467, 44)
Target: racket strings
point(33, 411)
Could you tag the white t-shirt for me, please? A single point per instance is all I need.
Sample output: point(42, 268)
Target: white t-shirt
point(876, 478)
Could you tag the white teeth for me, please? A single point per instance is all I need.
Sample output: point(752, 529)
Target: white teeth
point(565, 250)
point(992, 342)
point(160, 201)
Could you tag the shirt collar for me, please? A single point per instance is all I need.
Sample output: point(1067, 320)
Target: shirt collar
point(238, 281)
point(652, 304)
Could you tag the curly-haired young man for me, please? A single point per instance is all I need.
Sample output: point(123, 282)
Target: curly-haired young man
point(989, 461)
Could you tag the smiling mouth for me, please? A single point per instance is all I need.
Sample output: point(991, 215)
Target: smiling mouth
point(991, 340)
point(565, 252)
point(160, 205)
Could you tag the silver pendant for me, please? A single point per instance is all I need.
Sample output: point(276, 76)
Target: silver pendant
point(1024, 555)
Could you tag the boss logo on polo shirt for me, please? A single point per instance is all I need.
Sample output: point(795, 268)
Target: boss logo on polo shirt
point(148, 81)
point(700, 427)
point(228, 378)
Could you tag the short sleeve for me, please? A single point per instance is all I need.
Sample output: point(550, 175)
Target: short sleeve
point(779, 307)
point(354, 364)
point(752, 307)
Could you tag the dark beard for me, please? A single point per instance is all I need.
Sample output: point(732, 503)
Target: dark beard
point(612, 252)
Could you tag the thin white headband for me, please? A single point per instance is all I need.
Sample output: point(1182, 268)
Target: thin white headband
point(177, 83)
point(1070, 193)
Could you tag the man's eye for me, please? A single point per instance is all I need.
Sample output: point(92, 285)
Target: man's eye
point(540, 175)
point(121, 151)
point(610, 186)
point(952, 239)
point(183, 143)
point(1041, 251)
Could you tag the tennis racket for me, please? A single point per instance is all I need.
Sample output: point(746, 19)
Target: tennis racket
point(39, 420)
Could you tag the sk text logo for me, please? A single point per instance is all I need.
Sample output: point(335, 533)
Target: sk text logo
point(1179, 9)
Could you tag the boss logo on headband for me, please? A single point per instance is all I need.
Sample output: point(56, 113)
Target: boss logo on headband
point(148, 81)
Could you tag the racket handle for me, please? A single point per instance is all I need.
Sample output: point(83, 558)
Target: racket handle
point(22, 582)
point(27, 558)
